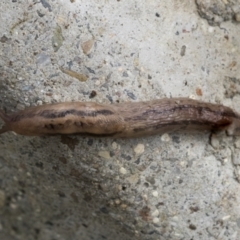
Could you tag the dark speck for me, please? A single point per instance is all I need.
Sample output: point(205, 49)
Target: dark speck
point(130, 94)
point(104, 210)
point(49, 223)
point(137, 161)
point(109, 98)
point(194, 209)
point(90, 70)
point(192, 227)
point(39, 165)
point(3, 39)
point(157, 15)
point(90, 142)
point(125, 74)
point(40, 14)
point(93, 94)
point(127, 157)
point(61, 194)
point(46, 5)
point(183, 50)
point(85, 225)
point(176, 139)
point(180, 181)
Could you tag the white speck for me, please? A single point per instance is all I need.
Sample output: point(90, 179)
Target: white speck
point(39, 102)
point(97, 83)
point(139, 149)
point(123, 206)
point(114, 145)
point(155, 193)
point(237, 143)
point(156, 220)
point(13, 206)
point(225, 160)
point(214, 141)
point(117, 201)
point(226, 217)
point(192, 96)
point(155, 213)
point(123, 170)
point(145, 197)
point(165, 137)
point(211, 29)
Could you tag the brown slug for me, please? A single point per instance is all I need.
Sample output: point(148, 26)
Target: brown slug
point(124, 120)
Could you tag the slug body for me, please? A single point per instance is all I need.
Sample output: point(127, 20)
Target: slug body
point(122, 120)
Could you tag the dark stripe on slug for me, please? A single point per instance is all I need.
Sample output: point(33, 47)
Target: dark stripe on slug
point(184, 123)
point(53, 114)
point(199, 109)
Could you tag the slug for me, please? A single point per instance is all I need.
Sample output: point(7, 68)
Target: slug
point(124, 120)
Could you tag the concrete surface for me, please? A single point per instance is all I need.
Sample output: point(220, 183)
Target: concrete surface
point(174, 186)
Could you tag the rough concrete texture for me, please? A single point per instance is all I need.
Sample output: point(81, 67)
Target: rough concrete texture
point(217, 11)
point(174, 186)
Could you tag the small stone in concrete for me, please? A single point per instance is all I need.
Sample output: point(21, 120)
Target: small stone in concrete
point(104, 154)
point(155, 193)
point(165, 137)
point(139, 149)
point(123, 170)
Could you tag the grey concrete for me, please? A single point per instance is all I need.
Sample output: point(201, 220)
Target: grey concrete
point(174, 186)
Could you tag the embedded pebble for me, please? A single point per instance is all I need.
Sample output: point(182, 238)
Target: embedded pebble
point(237, 143)
point(155, 213)
point(237, 17)
point(133, 179)
point(42, 59)
point(117, 201)
point(139, 149)
point(104, 154)
point(86, 46)
point(123, 170)
point(237, 173)
point(155, 193)
point(155, 220)
point(165, 137)
point(114, 145)
point(123, 206)
point(39, 102)
point(214, 141)
point(236, 158)
point(57, 39)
